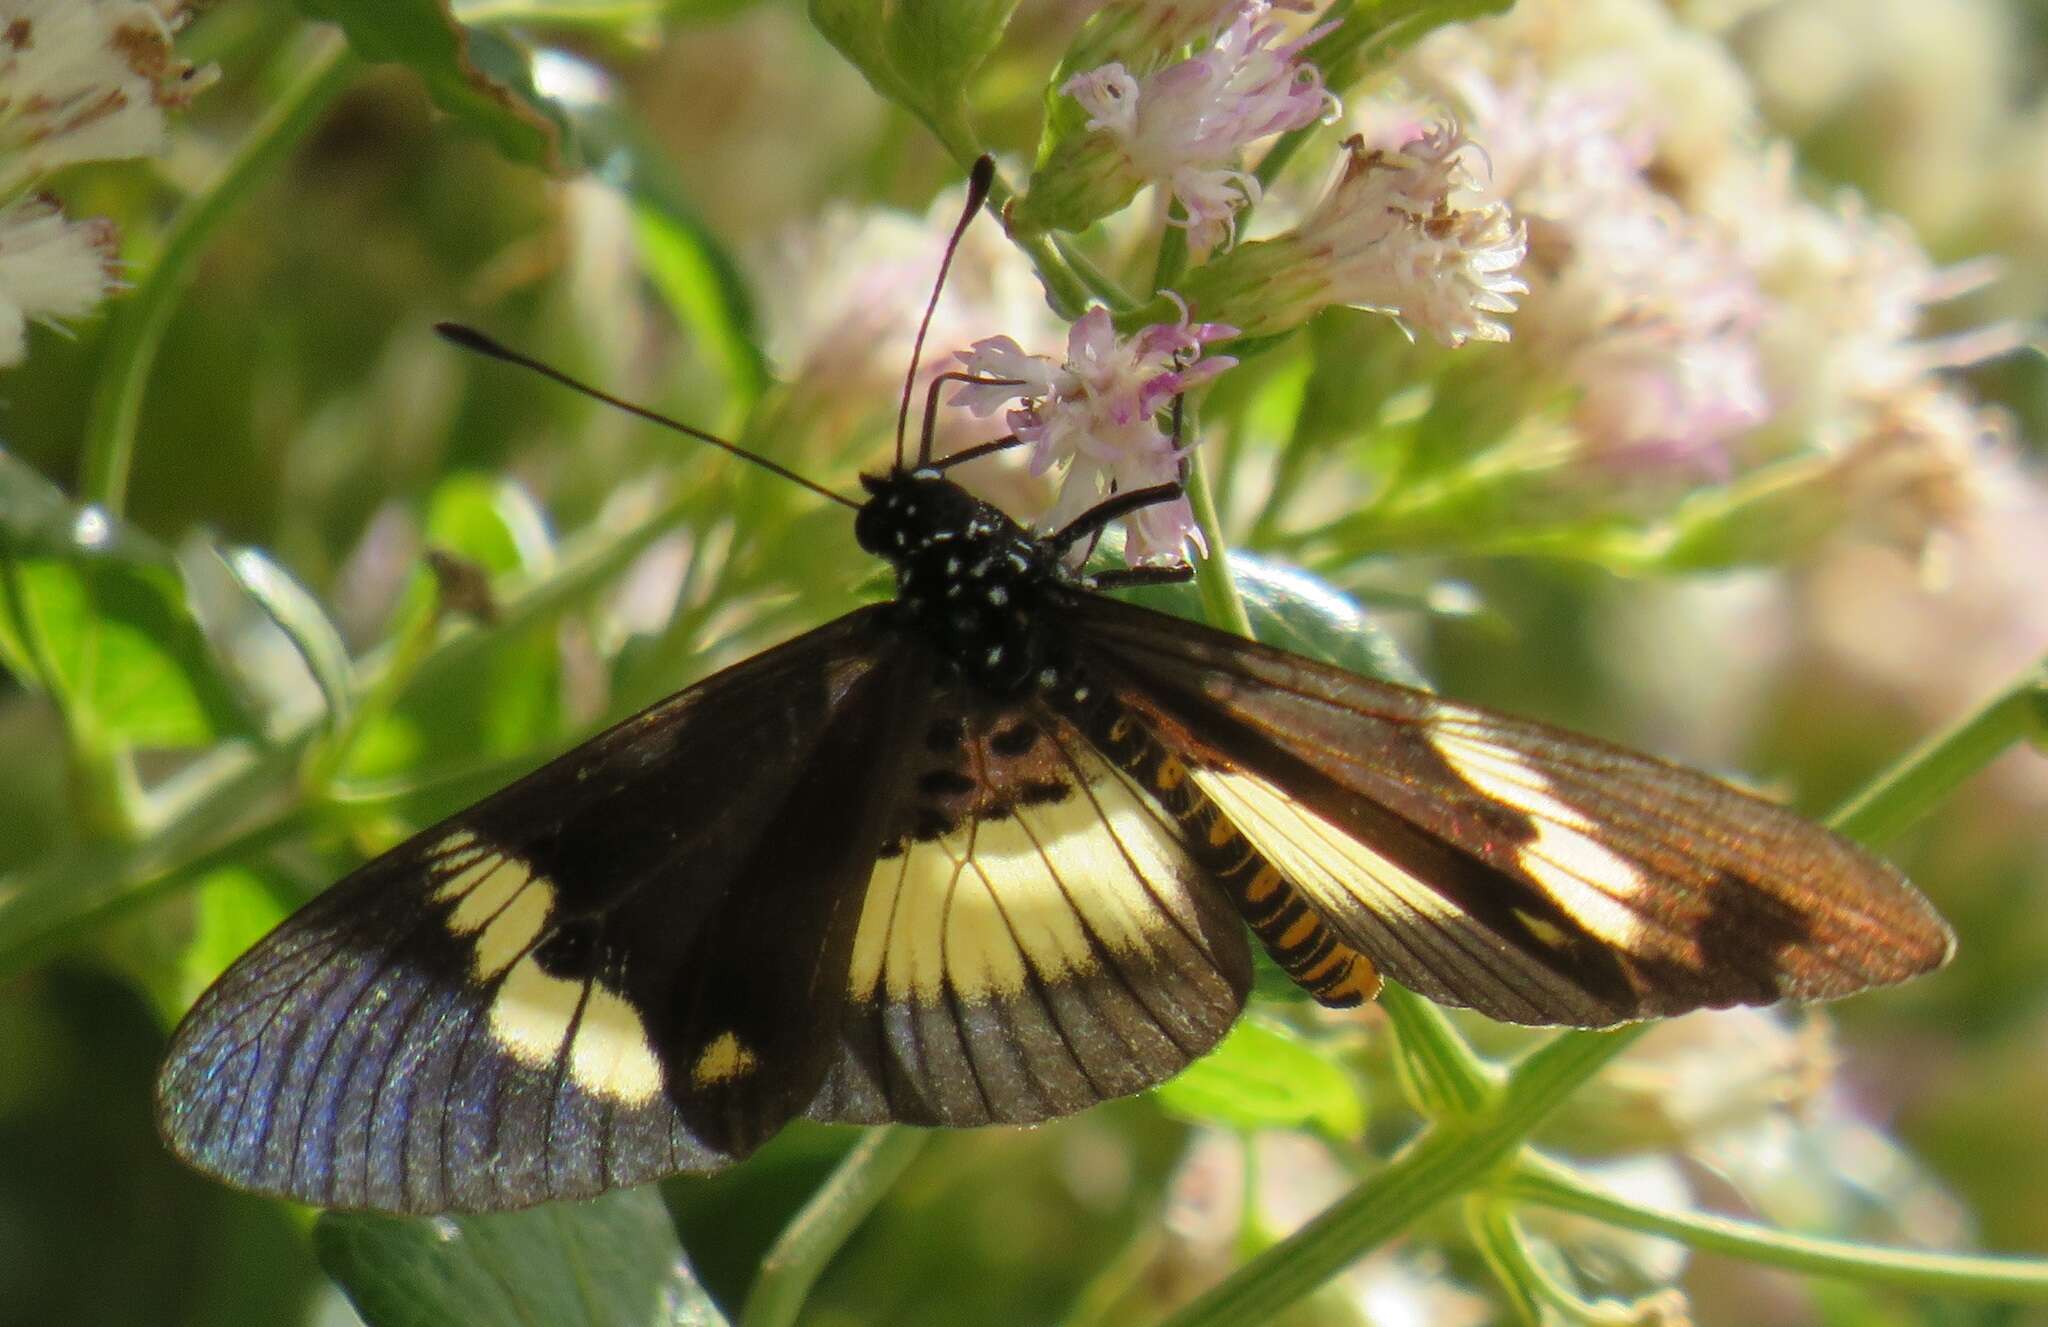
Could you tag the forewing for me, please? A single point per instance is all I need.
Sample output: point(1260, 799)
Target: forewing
point(1532, 874)
point(605, 973)
point(1034, 938)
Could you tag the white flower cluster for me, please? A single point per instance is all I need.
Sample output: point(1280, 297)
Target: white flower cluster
point(80, 80)
point(1399, 233)
point(1707, 314)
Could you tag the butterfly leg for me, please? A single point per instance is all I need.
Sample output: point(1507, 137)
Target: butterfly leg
point(931, 417)
point(1113, 507)
point(977, 451)
point(1124, 578)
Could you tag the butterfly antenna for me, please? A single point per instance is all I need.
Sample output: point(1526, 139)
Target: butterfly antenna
point(471, 339)
point(979, 181)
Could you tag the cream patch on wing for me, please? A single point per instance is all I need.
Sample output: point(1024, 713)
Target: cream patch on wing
point(1335, 871)
point(534, 1011)
point(502, 908)
point(1395, 918)
point(984, 910)
point(724, 1059)
point(1584, 877)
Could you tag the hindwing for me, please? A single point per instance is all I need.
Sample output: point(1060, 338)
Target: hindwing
point(1530, 873)
point(1035, 936)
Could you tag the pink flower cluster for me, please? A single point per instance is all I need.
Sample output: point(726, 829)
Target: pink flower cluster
point(1184, 125)
point(1098, 412)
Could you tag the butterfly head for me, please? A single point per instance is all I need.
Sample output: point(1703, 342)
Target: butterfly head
point(967, 576)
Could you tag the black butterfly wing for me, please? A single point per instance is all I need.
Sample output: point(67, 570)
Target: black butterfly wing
point(613, 970)
point(1035, 937)
point(1532, 874)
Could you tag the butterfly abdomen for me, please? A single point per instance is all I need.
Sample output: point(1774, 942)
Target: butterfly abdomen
point(1293, 933)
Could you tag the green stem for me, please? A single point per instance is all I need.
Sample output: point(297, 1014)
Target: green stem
point(1550, 1184)
point(1099, 282)
point(1443, 1163)
point(1444, 1075)
point(137, 328)
point(1499, 1239)
point(810, 1240)
point(562, 14)
point(412, 647)
point(1906, 791)
point(1065, 290)
point(1221, 605)
point(1173, 251)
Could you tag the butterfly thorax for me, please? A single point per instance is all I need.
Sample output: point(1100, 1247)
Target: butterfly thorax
point(968, 578)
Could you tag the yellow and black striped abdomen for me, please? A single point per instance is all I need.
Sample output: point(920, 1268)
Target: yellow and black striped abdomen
point(1293, 932)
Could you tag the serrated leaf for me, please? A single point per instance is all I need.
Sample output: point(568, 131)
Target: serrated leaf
point(94, 613)
point(1263, 1076)
point(296, 613)
point(614, 1262)
point(424, 36)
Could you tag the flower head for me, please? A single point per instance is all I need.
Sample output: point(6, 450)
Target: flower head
point(1403, 236)
point(80, 80)
point(1182, 127)
point(50, 267)
point(83, 80)
point(1097, 411)
point(1399, 232)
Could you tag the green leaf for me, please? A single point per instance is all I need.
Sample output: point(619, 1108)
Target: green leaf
point(1383, 28)
point(685, 259)
point(614, 1262)
point(303, 621)
point(937, 45)
point(424, 36)
point(919, 53)
point(2036, 701)
point(857, 28)
point(493, 522)
point(1263, 1076)
point(704, 289)
point(94, 613)
point(1294, 610)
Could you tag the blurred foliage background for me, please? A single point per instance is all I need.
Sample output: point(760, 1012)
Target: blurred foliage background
point(735, 228)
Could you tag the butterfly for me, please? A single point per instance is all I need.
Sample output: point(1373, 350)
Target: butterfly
point(990, 852)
